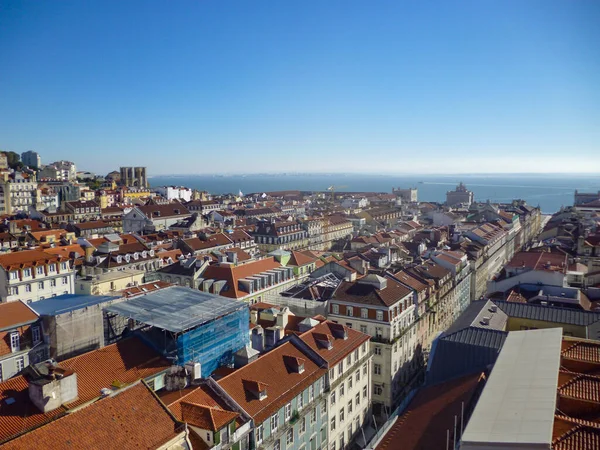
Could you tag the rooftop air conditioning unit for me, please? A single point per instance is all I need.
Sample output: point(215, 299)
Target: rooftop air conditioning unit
point(485, 320)
point(194, 369)
point(493, 308)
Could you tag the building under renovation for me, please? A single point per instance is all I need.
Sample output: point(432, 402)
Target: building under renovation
point(184, 324)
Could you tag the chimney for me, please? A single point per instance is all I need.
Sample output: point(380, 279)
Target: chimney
point(282, 317)
point(52, 386)
point(253, 316)
point(258, 338)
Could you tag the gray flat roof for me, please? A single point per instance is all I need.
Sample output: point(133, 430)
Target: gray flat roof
point(68, 302)
point(176, 308)
point(549, 313)
point(516, 408)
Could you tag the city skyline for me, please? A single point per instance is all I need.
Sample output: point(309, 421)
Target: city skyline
point(303, 87)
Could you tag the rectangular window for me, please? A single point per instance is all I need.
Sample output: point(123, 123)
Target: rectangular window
point(332, 400)
point(332, 423)
point(40, 270)
point(14, 275)
point(342, 443)
point(349, 311)
point(377, 350)
point(26, 272)
point(41, 285)
point(27, 288)
point(355, 355)
point(363, 329)
point(342, 415)
point(335, 309)
point(277, 445)
point(364, 313)
point(14, 290)
point(357, 376)
point(52, 283)
point(340, 368)
point(52, 267)
point(311, 393)
point(15, 342)
point(275, 422)
point(350, 407)
point(20, 364)
point(341, 390)
point(300, 401)
point(378, 389)
point(350, 383)
point(289, 437)
point(331, 375)
point(378, 332)
point(349, 360)
point(313, 415)
point(288, 411)
point(357, 400)
point(63, 266)
point(35, 333)
point(364, 392)
point(302, 425)
point(379, 315)
point(364, 368)
point(64, 280)
point(323, 409)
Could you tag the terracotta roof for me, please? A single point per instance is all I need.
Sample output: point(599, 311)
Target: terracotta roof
point(215, 240)
point(27, 258)
point(300, 259)
point(408, 279)
point(131, 418)
point(41, 235)
point(145, 288)
point(340, 347)
point(92, 225)
point(15, 313)
point(162, 211)
point(206, 417)
point(424, 423)
point(125, 362)
point(574, 434)
point(283, 384)
point(545, 261)
point(232, 274)
point(357, 292)
point(583, 351)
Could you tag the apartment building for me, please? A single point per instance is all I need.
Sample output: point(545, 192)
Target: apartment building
point(21, 338)
point(384, 309)
point(348, 356)
point(83, 210)
point(280, 236)
point(33, 275)
point(18, 192)
point(284, 392)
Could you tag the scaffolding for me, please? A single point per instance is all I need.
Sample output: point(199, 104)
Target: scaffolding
point(186, 325)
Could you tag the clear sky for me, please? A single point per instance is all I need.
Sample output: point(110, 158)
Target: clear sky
point(303, 85)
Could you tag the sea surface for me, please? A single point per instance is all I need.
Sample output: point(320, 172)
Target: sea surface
point(549, 191)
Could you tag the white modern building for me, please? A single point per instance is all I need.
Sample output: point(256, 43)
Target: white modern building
point(175, 193)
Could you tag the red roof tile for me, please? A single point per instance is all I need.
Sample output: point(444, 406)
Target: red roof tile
point(131, 418)
point(283, 384)
point(15, 313)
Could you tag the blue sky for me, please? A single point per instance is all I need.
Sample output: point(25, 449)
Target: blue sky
point(253, 86)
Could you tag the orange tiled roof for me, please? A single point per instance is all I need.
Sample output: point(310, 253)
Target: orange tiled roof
point(27, 258)
point(283, 384)
point(15, 313)
point(340, 347)
point(131, 418)
point(206, 417)
point(232, 274)
point(125, 362)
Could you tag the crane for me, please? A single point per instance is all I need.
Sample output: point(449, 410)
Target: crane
point(332, 189)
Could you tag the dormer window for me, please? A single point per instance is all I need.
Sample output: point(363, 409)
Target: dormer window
point(294, 364)
point(52, 267)
point(256, 388)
